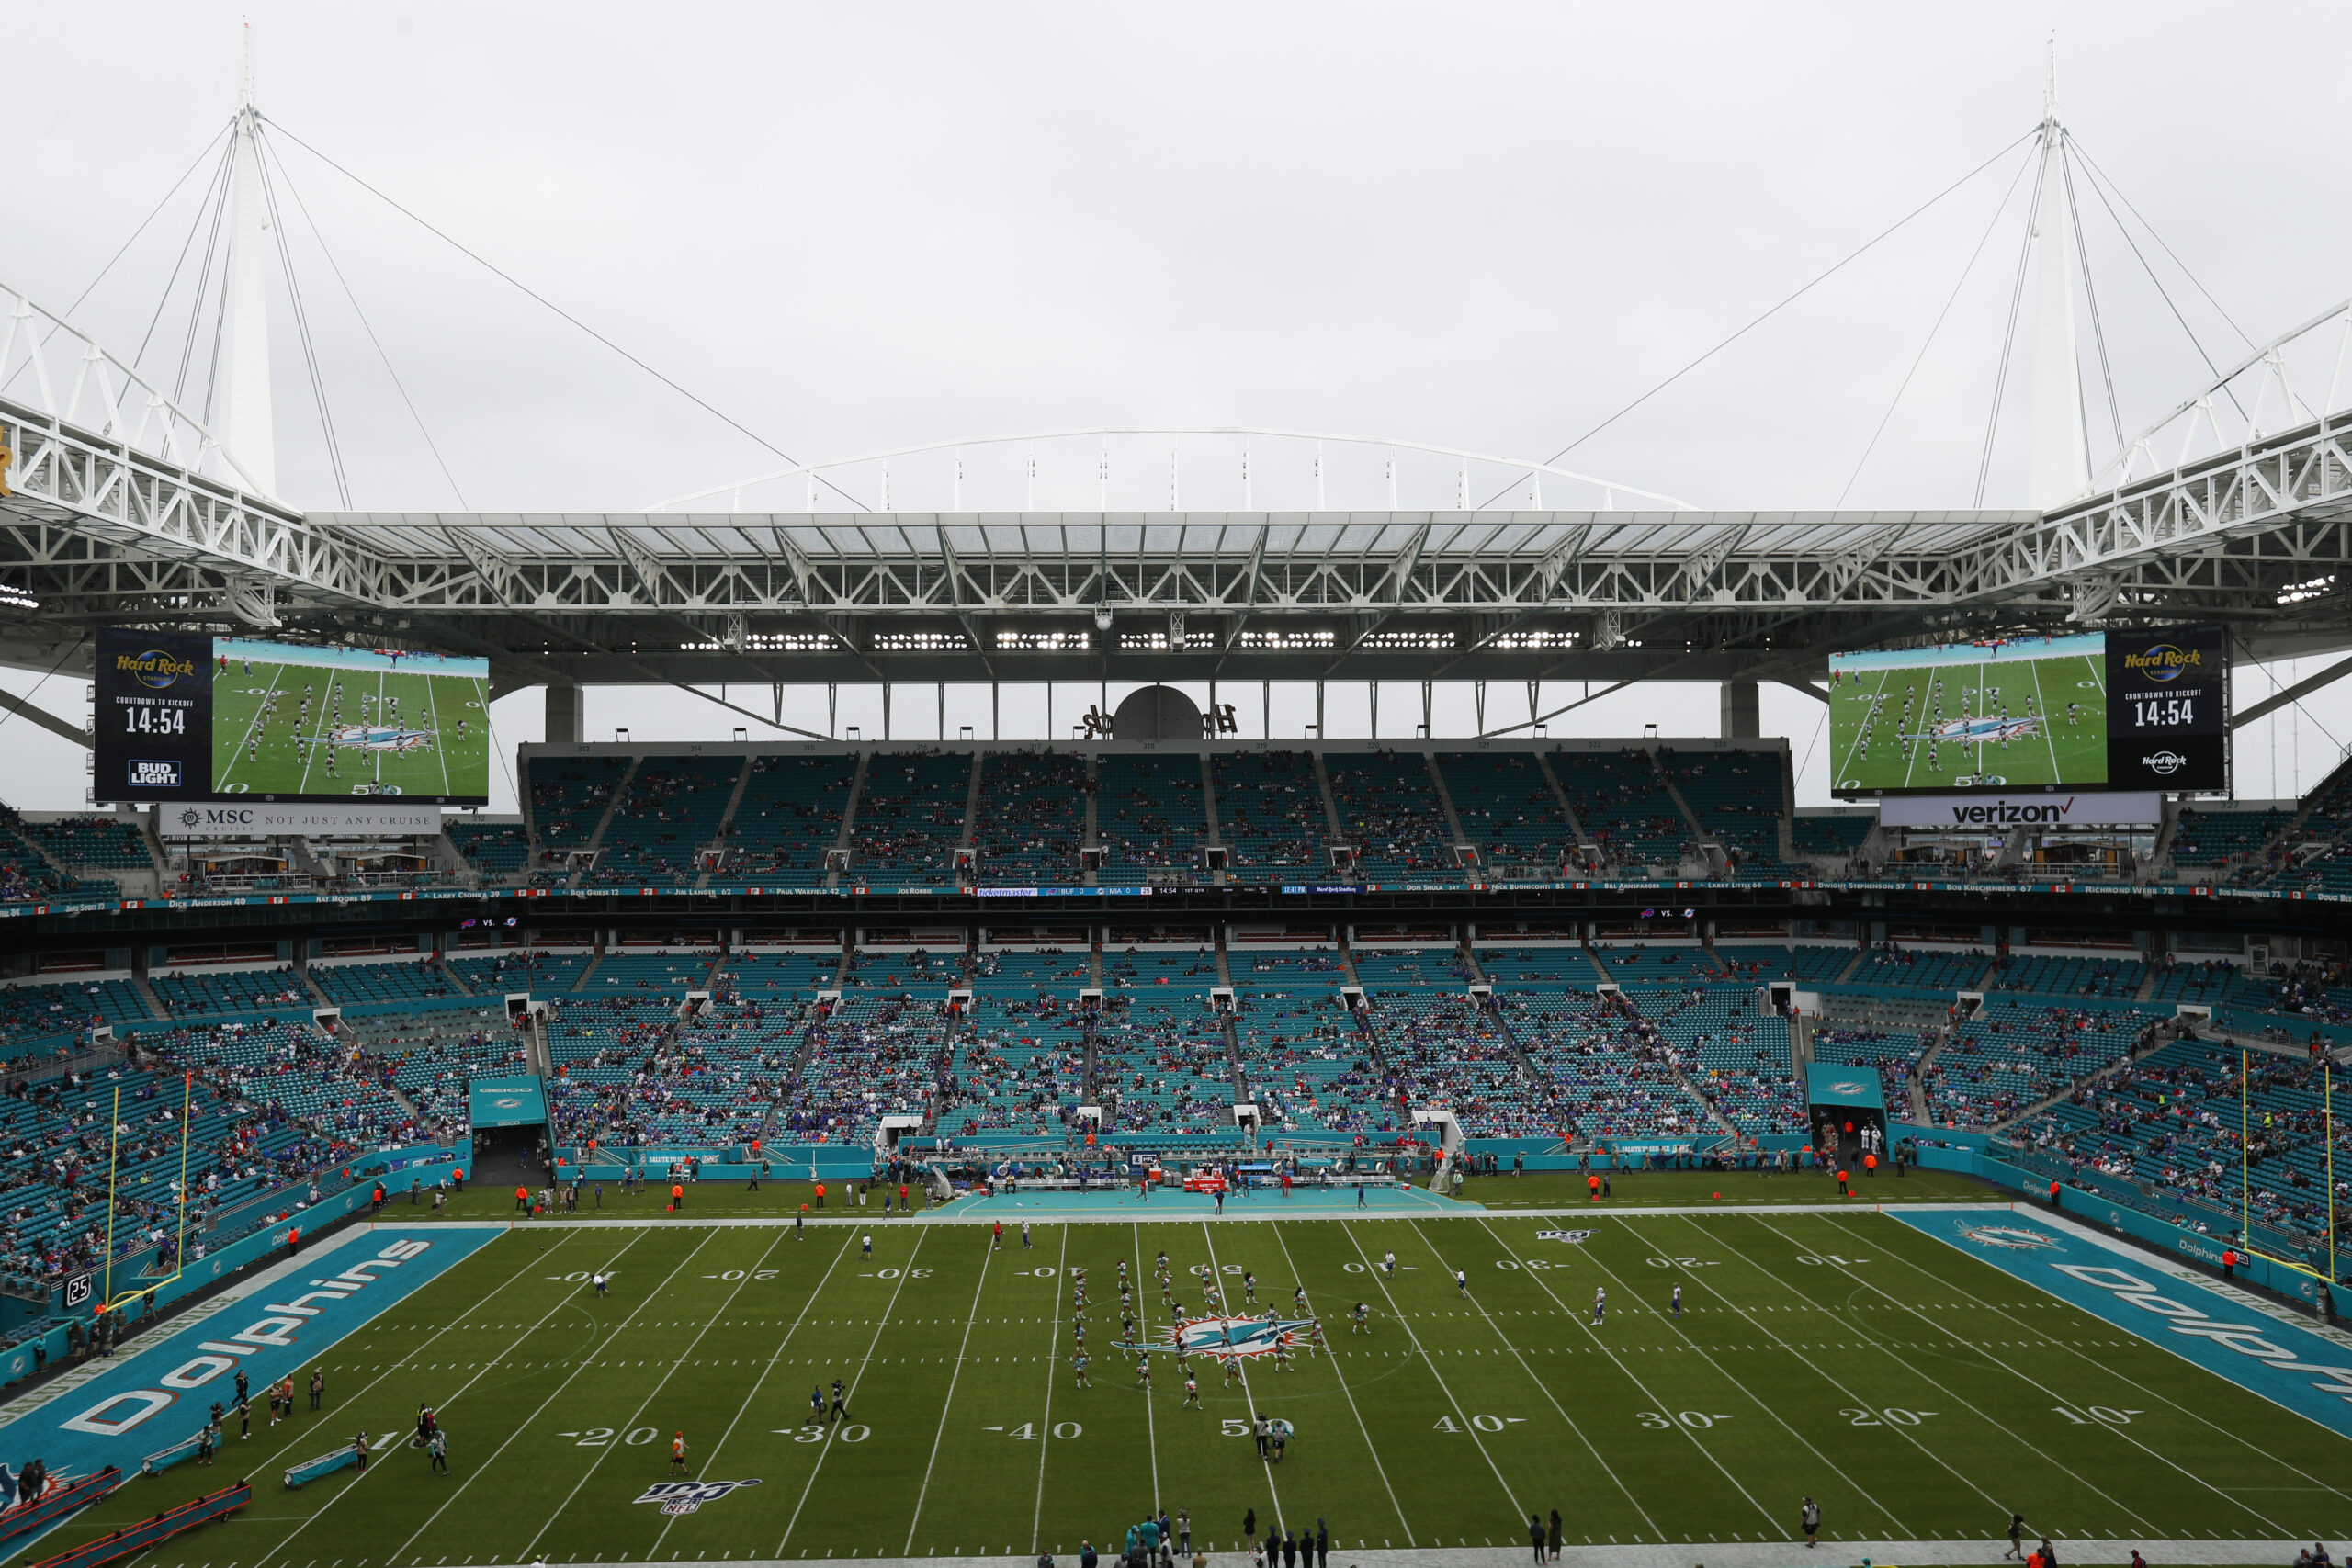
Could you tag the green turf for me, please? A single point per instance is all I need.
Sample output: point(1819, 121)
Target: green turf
point(253, 750)
point(1877, 743)
point(1916, 1394)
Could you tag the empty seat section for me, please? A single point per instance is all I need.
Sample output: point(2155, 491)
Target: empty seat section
point(1270, 813)
point(1509, 811)
point(671, 810)
point(1390, 811)
point(789, 815)
point(1149, 815)
point(1031, 818)
point(911, 815)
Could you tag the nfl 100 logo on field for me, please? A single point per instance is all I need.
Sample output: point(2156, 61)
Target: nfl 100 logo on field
point(685, 1496)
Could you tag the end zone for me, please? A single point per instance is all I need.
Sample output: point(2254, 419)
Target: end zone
point(2283, 1361)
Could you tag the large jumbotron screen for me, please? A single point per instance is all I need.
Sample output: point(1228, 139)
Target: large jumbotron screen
point(187, 717)
point(2140, 710)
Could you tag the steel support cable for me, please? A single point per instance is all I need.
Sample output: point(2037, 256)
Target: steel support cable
point(302, 329)
point(1920, 359)
point(2009, 335)
point(2102, 178)
point(1818, 279)
point(505, 276)
point(120, 254)
point(2090, 292)
point(196, 306)
point(2099, 179)
point(365, 326)
point(164, 301)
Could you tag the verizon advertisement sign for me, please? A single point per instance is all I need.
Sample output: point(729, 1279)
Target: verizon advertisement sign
point(1999, 813)
point(260, 821)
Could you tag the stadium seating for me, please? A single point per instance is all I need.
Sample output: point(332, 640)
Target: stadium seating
point(790, 815)
point(1149, 815)
point(911, 813)
point(1270, 815)
point(1924, 969)
point(1507, 810)
point(1737, 798)
point(200, 993)
point(495, 850)
point(542, 974)
point(2214, 837)
point(568, 796)
point(1390, 811)
point(411, 979)
point(2017, 1051)
point(2059, 976)
point(1031, 818)
point(671, 810)
point(1623, 805)
point(68, 1005)
point(1830, 835)
point(95, 843)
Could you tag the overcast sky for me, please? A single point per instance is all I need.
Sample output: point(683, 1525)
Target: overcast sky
point(1492, 227)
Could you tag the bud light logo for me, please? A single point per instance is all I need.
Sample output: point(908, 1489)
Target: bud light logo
point(685, 1496)
point(154, 775)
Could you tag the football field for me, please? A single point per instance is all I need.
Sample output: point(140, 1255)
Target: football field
point(2011, 723)
point(301, 729)
point(1913, 1392)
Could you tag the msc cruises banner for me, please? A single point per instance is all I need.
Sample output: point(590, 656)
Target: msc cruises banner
point(261, 820)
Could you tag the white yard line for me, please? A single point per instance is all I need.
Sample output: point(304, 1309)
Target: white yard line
point(1053, 1369)
point(1265, 1463)
point(567, 1301)
point(654, 1392)
point(825, 1449)
point(223, 787)
point(1917, 1370)
point(761, 1382)
point(585, 1363)
point(432, 706)
point(945, 1407)
point(1370, 1447)
point(1768, 1407)
point(2049, 723)
point(1373, 1269)
point(1150, 1426)
point(2075, 1351)
point(1582, 1320)
point(380, 719)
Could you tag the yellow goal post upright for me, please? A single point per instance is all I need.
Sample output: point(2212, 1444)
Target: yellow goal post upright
point(2246, 1167)
point(108, 1301)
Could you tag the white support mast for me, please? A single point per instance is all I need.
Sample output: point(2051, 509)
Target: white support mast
point(246, 426)
point(2057, 457)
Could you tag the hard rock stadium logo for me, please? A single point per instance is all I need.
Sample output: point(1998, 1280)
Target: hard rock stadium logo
point(1222, 1336)
point(2163, 662)
point(2017, 1238)
point(154, 668)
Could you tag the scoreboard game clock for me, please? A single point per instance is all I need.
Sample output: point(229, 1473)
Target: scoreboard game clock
point(2167, 704)
point(2103, 711)
point(183, 718)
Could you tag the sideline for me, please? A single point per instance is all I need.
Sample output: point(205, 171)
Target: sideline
point(1134, 1214)
point(1717, 1554)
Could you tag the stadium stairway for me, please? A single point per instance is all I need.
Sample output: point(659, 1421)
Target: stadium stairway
point(1593, 953)
point(850, 803)
point(1445, 798)
point(2025, 1115)
point(1330, 802)
point(439, 964)
point(1567, 809)
point(612, 806)
point(1212, 834)
point(1665, 782)
point(1495, 1015)
point(727, 817)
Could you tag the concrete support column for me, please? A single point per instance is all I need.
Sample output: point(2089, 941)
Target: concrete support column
point(567, 714)
point(1740, 717)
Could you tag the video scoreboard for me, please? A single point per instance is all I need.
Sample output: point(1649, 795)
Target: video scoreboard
point(187, 717)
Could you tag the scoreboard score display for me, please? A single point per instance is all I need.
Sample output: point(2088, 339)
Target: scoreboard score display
point(184, 717)
point(2141, 710)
